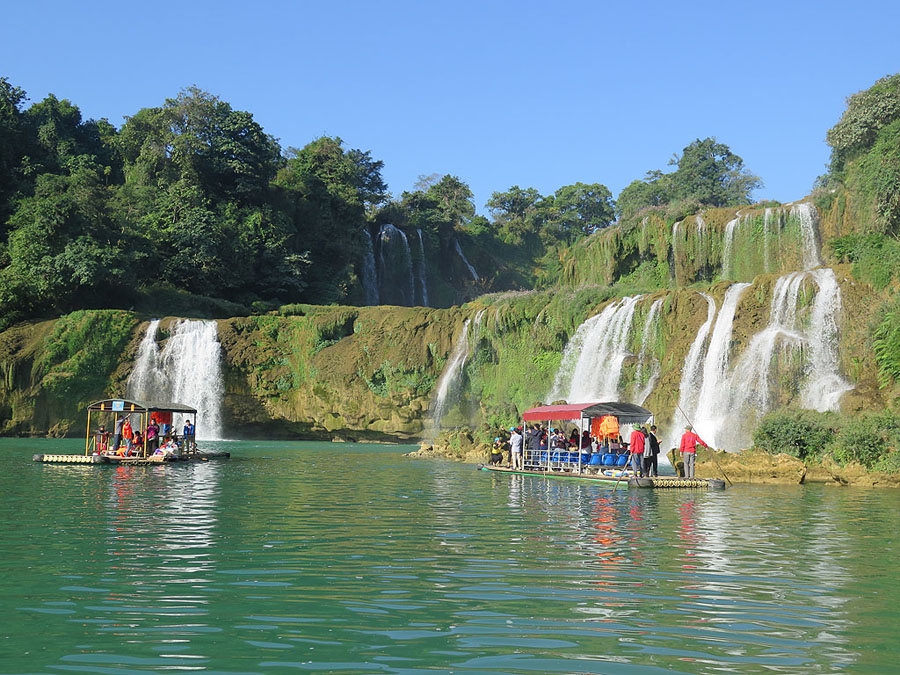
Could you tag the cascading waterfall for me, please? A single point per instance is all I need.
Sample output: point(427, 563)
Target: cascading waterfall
point(824, 383)
point(187, 370)
point(792, 361)
point(806, 215)
point(449, 381)
point(727, 246)
point(592, 361)
point(396, 284)
point(648, 372)
point(691, 373)
point(704, 400)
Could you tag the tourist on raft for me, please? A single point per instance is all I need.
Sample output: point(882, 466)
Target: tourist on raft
point(515, 447)
point(688, 448)
point(636, 447)
point(651, 451)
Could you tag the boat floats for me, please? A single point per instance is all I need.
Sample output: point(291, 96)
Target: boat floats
point(601, 421)
point(142, 433)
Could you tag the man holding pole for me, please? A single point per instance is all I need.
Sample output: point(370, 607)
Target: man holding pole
point(689, 443)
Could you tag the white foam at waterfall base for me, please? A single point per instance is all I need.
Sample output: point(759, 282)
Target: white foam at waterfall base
point(592, 361)
point(187, 370)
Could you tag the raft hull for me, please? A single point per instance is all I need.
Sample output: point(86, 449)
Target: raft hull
point(129, 461)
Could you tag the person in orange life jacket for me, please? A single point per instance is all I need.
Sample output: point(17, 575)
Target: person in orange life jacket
point(688, 448)
point(636, 447)
point(127, 434)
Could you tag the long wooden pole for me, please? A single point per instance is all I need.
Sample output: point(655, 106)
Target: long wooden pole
point(713, 451)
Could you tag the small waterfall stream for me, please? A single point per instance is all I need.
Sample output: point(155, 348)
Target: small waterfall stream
point(465, 260)
point(186, 370)
point(592, 360)
point(448, 384)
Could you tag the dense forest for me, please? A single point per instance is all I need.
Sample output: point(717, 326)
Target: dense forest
point(192, 208)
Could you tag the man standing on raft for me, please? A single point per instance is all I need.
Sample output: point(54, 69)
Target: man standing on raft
point(689, 443)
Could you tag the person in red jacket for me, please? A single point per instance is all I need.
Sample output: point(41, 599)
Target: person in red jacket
point(689, 443)
point(636, 448)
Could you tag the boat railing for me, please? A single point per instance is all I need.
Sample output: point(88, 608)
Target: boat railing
point(573, 460)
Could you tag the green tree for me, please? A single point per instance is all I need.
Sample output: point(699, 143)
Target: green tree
point(12, 147)
point(706, 172)
point(652, 191)
point(328, 192)
point(200, 139)
point(60, 257)
point(577, 210)
point(711, 174)
point(518, 216)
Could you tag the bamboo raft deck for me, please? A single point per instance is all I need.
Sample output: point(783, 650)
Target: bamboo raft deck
point(129, 461)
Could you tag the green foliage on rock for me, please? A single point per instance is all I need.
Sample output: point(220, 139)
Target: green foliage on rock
point(84, 348)
point(869, 439)
point(867, 113)
point(802, 434)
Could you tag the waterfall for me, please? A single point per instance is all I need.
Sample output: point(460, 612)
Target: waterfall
point(448, 383)
point(767, 221)
point(727, 246)
point(592, 360)
point(807, 215)
point(647, 339)
point(824, 384)
point(187, 370)
point(711, 404)
point(396, 285)
point(691, 372)
point(462, 255)
point(369, 274)
point(420, 271)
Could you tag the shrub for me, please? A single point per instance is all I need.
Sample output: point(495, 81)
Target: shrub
point(800, 433)
point(867, 439)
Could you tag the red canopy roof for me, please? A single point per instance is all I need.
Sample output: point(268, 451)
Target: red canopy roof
point(627, 413)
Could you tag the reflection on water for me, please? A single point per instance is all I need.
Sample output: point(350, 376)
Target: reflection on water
point(354, 559)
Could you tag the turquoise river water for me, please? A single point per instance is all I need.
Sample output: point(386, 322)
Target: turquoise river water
point(327, 558)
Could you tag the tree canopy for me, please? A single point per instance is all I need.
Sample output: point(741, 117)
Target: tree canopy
point(195, 197)
point(707, 173)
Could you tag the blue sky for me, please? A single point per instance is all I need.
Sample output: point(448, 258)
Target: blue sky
point(534, 94)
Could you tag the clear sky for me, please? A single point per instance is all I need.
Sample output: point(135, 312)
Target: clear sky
point(497, 93)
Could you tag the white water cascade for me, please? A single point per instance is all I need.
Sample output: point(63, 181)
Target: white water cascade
point(648, 373)
point(186, 370)
point(592, 361)
point(448, 384)
point(705, 381)
point(395, 269)
point(465, 260)
point(692, 371)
